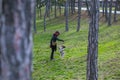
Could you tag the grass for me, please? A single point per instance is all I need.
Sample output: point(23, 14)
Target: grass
point(73, 65)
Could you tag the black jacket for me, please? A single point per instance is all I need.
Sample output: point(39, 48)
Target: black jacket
point(54, 39)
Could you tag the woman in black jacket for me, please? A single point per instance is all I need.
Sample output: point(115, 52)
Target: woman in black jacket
point(53, 44)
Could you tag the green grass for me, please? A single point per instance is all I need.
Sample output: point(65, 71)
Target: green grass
point(73, 65)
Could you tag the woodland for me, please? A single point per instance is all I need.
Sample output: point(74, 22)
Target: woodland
point(90, 30)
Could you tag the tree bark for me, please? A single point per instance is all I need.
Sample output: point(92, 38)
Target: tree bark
point(92, 70)
point(79, 14)
point(55, 8)
point(66, 15)
point(0, 37)
point(16, 39)
point(110, 13)
point(34, 22)
point(115, 11)
point(40, 13)
point(45, 15)
point(106, 10)
point(87, 7)
point(103, 8)
point(60, 10)
point(72, 7)
point(48, 11)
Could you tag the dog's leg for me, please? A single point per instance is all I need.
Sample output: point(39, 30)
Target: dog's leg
point(62, 54)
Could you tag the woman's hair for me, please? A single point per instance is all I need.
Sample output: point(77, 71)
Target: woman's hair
point(56, 33)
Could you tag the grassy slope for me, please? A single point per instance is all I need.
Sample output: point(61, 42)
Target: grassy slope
point(73, 65)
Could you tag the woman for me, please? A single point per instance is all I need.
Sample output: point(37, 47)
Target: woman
point(53, 44)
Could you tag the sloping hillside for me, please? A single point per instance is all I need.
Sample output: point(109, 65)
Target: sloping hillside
point(73, 65)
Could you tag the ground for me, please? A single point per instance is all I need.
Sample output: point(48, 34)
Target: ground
point(73, 65)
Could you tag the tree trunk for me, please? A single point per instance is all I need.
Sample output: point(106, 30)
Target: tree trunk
point(46, 8)
point(87, 7)
point(103, 8)
point(66, 15)
point(72, 6)
point(16, 39)
point(0, 38)
point(79, 14)
point(60, 9)
point(51, 8)
point(110, 13)
point(40, 13)
point(45, 14)
point(115, 11)
point(92, 70)
point(34, 22)
point(48, 12)
point(55, 8)
point(106, 10)
point(69, 6)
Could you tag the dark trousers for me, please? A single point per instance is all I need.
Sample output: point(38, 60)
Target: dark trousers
point(53, 49)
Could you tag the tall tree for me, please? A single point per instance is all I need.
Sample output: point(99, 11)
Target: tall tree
point(72, 6)
point(115, 11)
point(55, 3)
point(106, 10)
point(59, 4)
point(45, 15)
point(110, 12)
point(72, 9)
point(66, 15)
point(34, 21)
point(49, 5)
point(92, 70)
point(16, 39)
point(0, 36)
point(79, 14)
point(40, 11)
point(87, 5)
point(103, 8)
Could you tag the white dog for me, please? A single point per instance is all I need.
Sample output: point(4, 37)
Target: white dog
point(61, 50)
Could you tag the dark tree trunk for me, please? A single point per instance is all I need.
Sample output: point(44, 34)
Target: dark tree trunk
point(106, 10)
point(0, 38)
point(50, 4)
point(79, 14)
point(103, 7)
point(40, 13)
point(115, 11)
point(16, 39)
point(34, 22)
point(92, 70)
point(55, 8)
point(48, 12)
point(66, 15)
point(110, 13)
point(72, 6)
point(46, 9)
point(51, 8)
point(87, 7)
point(64, 8)
point(69, 6)
point(60, 9)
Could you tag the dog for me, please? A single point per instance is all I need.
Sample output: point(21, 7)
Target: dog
point(61, 50)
